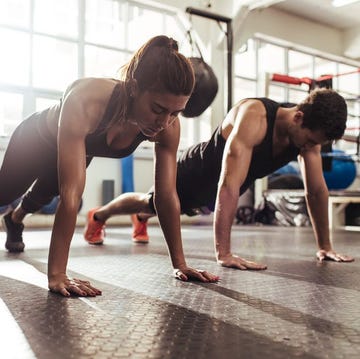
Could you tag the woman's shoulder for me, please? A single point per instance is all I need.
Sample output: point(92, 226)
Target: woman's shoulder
point(91, 89)
point(88, 98)
point(93, 84)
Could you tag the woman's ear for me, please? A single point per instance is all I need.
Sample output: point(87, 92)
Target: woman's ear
point(133, 88)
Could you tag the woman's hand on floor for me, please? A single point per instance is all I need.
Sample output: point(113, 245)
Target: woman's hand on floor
point(61, 283)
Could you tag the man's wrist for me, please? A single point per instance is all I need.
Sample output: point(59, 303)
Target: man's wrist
point(220, 255)
point(326, 248)
point(179, 265)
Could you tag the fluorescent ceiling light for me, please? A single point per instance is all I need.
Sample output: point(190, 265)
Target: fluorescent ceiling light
point(338, 3)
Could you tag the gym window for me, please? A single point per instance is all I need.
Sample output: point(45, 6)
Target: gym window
point(47, 44)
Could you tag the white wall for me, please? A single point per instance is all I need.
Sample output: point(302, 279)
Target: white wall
point(352, 43)
point(290, 28)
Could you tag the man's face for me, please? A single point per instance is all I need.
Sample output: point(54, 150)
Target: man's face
point(304, 138)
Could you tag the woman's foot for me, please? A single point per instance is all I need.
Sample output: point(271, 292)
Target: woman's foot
point(14, 241)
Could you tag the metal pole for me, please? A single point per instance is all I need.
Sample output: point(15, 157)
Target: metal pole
point(229, 35)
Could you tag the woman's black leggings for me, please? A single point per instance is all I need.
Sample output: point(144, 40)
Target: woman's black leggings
point(29, 161)
point(29, 168)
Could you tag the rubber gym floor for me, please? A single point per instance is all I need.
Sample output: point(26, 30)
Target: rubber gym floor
point(296, 308)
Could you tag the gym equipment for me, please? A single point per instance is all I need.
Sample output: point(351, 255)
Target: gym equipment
point(290, 168)
point(205, 90)
point(3, 209)
point(285, 181)
point(50, 208)
point(284, 208)
point(322, 81)
point(342, 172)
point(352, 214)
point(127, 170)
point(229, 43)
point(286, 177)
point(107, 191)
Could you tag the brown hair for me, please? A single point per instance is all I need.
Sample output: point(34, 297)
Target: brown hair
point(325, 110)
point(156, 66)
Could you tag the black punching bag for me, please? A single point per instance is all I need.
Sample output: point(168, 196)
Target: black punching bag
point(205, 90)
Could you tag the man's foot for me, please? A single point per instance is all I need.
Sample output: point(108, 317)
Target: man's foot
point(14, 241)
point(139, 230)
point(94, 231)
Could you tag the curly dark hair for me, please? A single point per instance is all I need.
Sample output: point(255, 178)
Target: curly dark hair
point(325, 110)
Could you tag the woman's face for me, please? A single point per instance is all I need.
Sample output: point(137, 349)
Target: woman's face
point(152, 112)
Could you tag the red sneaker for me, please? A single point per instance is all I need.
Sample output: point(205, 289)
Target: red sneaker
point(139, 230)
point(94, 231)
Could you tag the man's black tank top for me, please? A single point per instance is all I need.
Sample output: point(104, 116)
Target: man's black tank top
point(199, 167)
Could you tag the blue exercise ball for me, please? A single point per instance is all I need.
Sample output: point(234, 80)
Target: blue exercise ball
point(51, 207)
point(3, 209)
point(343, 170)
point(290, 168)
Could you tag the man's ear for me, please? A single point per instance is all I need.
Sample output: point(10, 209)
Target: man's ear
point(298, 118)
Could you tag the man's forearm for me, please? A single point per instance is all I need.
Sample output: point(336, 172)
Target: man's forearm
point(222, 238)
point(318, 212)
point(224, 216)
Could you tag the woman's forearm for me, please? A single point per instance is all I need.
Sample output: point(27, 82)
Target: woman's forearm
point(168, 210)
point(62, 233)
